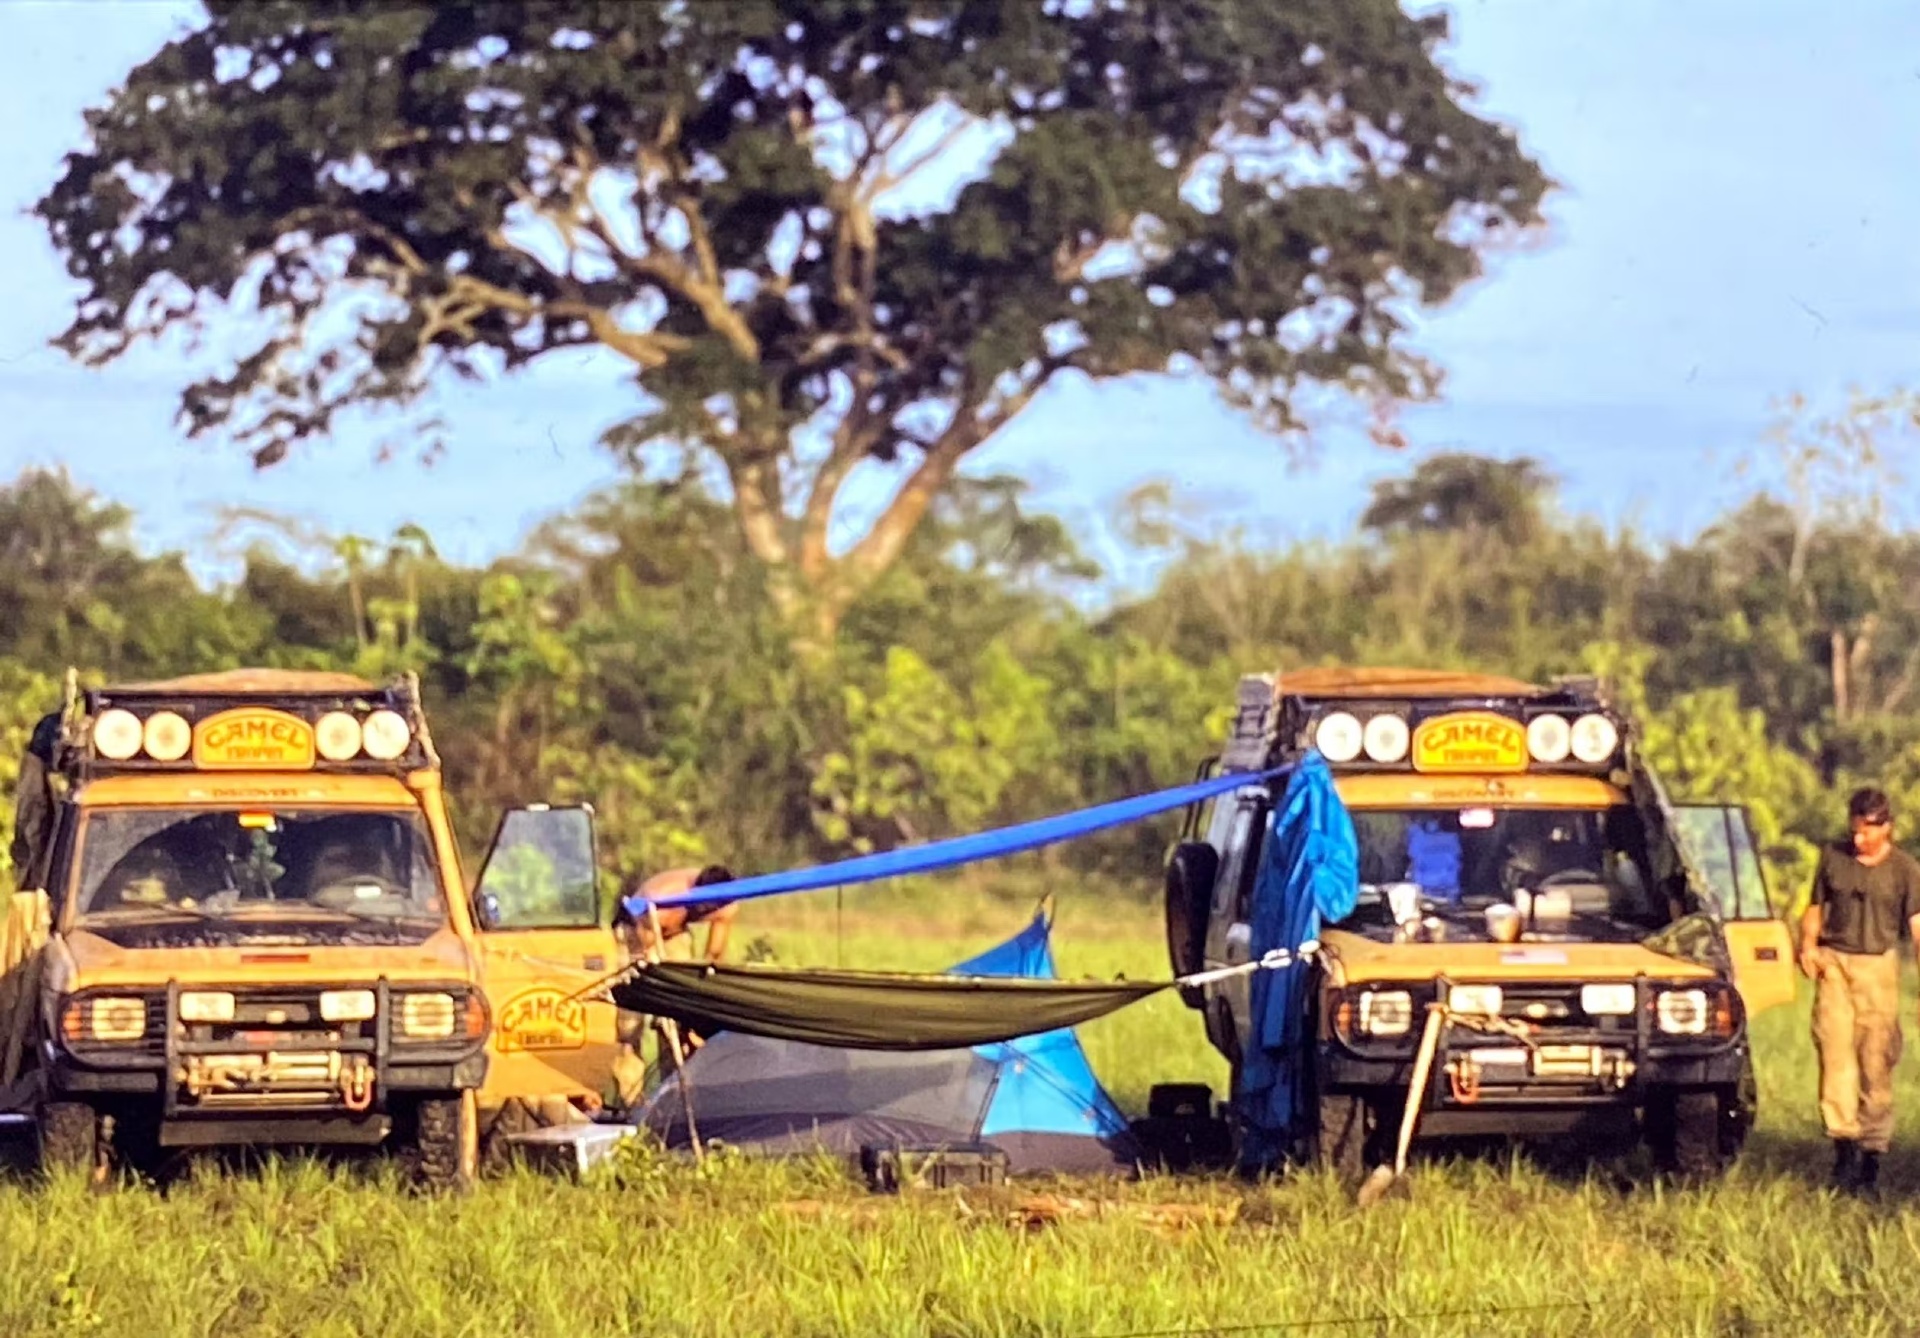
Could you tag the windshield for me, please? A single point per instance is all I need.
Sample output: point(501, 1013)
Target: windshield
point(196, 865)
point(1573, 873)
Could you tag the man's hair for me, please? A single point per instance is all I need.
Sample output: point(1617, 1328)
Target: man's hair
point(1871, 806)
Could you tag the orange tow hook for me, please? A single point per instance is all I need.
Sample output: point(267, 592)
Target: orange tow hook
point(356, 1088)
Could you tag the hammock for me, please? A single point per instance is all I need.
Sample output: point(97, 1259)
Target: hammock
point(869, 1010)
point(881, 1010)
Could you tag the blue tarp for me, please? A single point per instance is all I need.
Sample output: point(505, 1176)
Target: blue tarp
point(960, 849)
point(1309, 874)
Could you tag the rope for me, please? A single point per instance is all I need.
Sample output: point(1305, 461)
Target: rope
point(1388, 1317)
point(1380, 1317)
point(1276, 960)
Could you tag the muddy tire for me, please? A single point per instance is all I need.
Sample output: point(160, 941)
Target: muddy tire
point(513, 1117)
point(70, 1139)
point(1690, 1135)
point(1345, 1138)
point(446, 1142)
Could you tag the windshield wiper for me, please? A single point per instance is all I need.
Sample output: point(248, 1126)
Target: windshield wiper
point(118, 913)
point(307, 910)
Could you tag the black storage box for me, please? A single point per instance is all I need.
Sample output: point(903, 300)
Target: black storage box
point(892, 1167)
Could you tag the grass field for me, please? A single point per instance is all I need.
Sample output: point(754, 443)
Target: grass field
point(1489, 1246)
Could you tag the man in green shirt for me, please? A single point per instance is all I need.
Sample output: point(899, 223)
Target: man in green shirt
point(1865, 898)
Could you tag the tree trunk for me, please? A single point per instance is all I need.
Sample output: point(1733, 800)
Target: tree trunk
point(1842, 683)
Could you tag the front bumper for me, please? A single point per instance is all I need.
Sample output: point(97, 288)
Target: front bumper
point(278, 1058)
point(1512, 1084)
point(1569, 1064)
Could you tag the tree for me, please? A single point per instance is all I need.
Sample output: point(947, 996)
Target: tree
point(1837, 471)
point(1456, 492)
point(1257, 191)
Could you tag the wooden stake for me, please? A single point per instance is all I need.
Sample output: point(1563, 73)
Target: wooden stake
point(670, 1033)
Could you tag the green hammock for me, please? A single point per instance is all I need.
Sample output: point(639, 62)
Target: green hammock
point(868, 1010)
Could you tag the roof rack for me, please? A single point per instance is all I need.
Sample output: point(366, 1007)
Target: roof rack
point(244, 719)
point(1276, 713)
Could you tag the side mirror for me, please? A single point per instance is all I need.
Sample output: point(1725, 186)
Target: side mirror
point(1191, 871)
point(486, 910)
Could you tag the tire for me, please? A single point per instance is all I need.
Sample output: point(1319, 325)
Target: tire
point(446, 1141)
point(1693, 1134)
point(70, 1139)
point(513, 1117)
point(1345, 1136)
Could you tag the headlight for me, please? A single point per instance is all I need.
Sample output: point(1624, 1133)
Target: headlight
point(107, 1018)
point(1549, 738)
point(1481, 999)
point(346, 1005)
point(167, 736)
point(1682, 1012)
point(385, 735)
point(117, 735)
point(1594, 738)
point(1386, 738)
point(1338, 737)
point(427, 1017)
point(206, 1006)
point(1386, 1013)
point(336, 737)
point(1606, 1000)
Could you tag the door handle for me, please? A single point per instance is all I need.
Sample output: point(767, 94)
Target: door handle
point(1766, 954)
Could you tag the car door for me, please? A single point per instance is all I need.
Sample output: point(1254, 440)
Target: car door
point(1719, 840)
point(1239, 829)
point(544, 936)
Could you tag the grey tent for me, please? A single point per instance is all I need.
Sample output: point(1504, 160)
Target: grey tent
point(1035, 1098)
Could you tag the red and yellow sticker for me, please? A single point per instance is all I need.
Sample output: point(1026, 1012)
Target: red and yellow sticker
point(252, 738)
point(542, 1018)
point(1470, 741)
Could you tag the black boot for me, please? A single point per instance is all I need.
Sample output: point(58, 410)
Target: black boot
point(1846, 1163)
point(1866, 1180)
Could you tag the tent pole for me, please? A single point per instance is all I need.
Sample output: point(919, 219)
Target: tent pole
point(670, 1033)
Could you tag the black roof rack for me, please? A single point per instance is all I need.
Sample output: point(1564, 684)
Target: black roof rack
point(197, 698)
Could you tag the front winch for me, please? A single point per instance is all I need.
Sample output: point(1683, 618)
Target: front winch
point(248, 1079)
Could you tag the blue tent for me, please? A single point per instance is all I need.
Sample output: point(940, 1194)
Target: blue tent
point(1035, 1098)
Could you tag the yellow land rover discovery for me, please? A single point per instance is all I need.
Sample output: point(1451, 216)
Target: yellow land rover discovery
point(1596, 949)
point(257, 932)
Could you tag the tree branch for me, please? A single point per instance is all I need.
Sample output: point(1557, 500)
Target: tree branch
point(883, 542)
point(468, 298)
point(706, 295)
point(851, 442)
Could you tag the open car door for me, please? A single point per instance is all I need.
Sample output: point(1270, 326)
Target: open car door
point(1719, 838)
point(23, 934)
point(543, 937)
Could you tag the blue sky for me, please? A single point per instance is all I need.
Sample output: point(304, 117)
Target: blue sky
point(1738, 221)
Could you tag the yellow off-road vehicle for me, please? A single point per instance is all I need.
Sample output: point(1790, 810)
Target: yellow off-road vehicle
point(246, 924)
point(1593, 949)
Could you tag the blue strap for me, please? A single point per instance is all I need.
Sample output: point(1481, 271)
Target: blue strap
point(960, 849)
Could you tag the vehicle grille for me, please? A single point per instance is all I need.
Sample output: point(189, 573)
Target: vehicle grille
point(279, 1017)
point(1556, 1008)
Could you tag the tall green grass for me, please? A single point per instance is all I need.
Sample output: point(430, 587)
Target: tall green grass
point(1493, 1246)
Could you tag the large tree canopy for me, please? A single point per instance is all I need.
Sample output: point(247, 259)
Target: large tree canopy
point(1258, 191)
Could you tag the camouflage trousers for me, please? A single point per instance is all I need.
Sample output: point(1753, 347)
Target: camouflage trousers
point(1856, 1031)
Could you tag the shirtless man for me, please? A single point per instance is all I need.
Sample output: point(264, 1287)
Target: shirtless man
point(676, 925)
